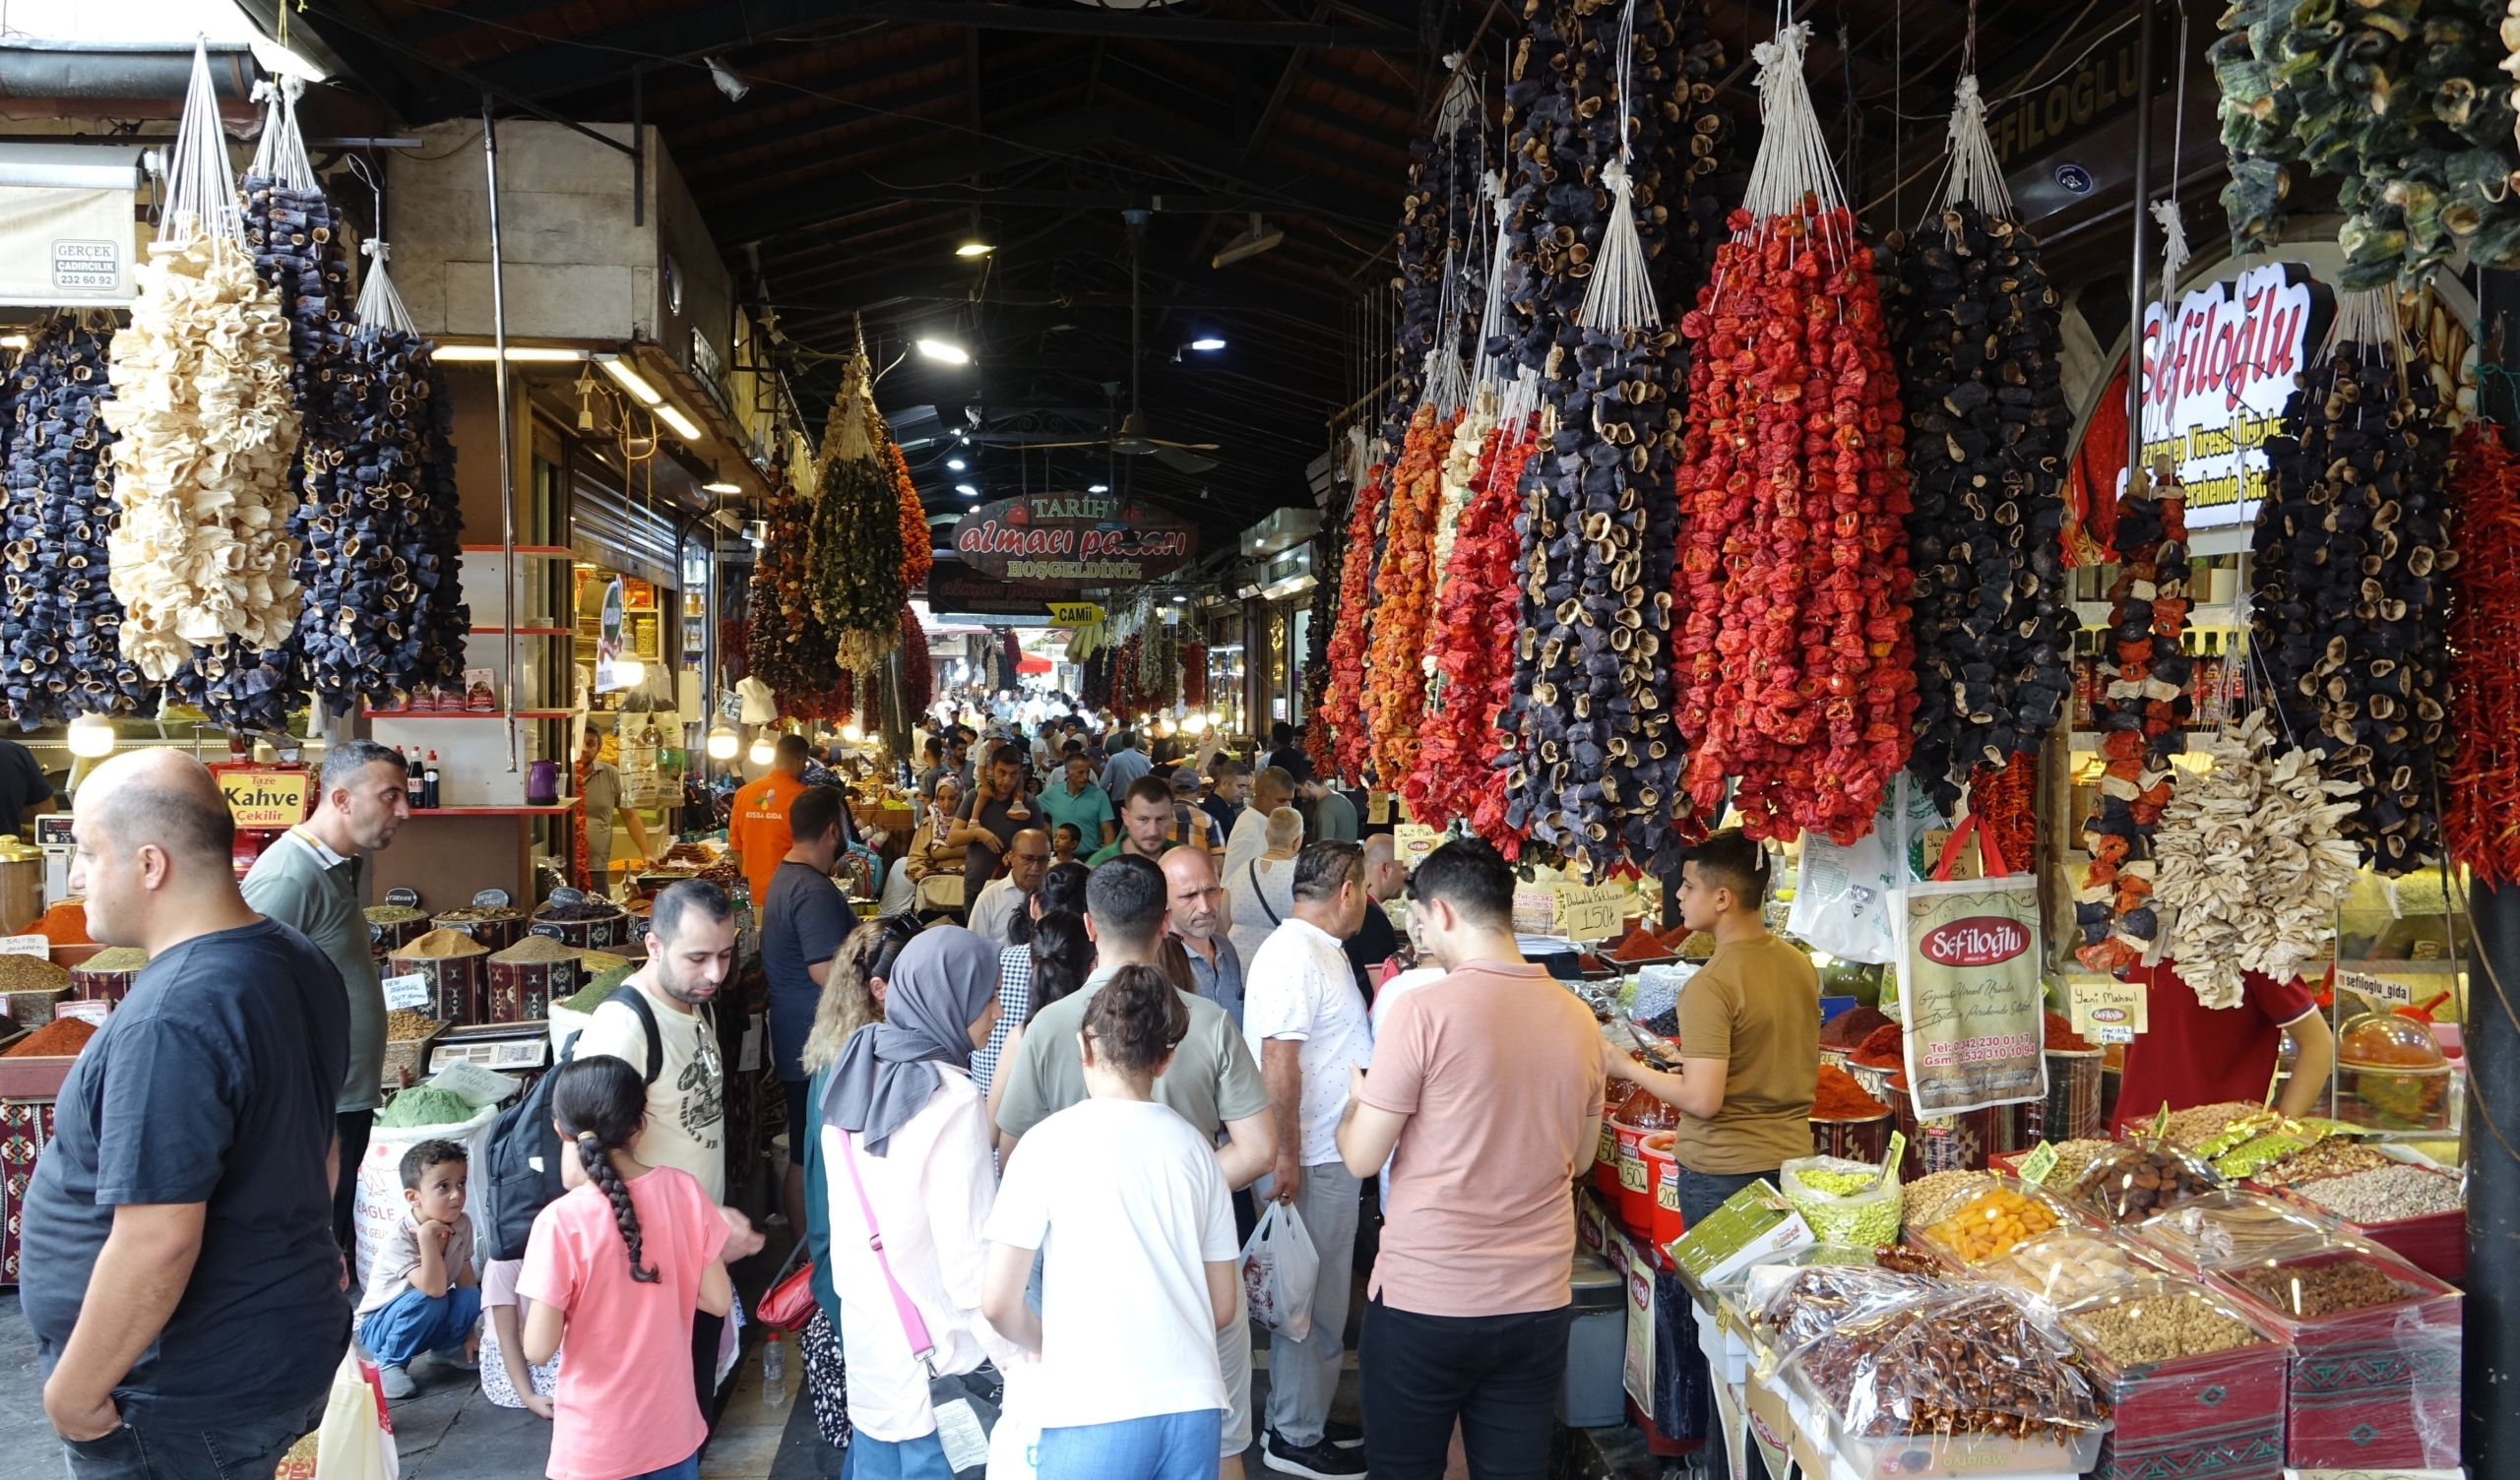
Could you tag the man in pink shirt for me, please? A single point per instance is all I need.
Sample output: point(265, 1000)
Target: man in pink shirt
point(1485, 1096)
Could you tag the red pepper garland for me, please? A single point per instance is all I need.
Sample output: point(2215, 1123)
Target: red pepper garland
point(1794, 661)
point(1456, 772)
point(2481, 795)
point(1404, 589)
point(1342, 711)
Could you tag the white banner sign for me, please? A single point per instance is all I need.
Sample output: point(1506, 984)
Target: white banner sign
point(2216, 380)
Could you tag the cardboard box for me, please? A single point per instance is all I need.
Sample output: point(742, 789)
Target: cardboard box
point(1753, 1224)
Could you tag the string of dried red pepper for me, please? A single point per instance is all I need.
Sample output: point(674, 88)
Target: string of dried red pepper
point(2481, 794)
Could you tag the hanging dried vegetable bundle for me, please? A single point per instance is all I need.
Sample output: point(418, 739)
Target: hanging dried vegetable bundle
point(1094, 689)
point(1341, 713)
point(2481, 794)
point(789, 648)
point(1976, 326)
point(2400, 101)
point(1193, 662)
point(2252, 867)
point(2000, 796)
point(918, 547)
point(2142, 722)
point(202, 400)
point(918, 673)
point(60, 653)
point(1404, 588)
point(2350, 616)
point(854, 565)
point(1797, 665)
point(1610, 213)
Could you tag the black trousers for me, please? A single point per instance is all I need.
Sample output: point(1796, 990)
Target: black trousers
point(1500, 1376)
point(353, 1126)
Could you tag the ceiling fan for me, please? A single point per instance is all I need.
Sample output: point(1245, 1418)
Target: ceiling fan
point(1132, 437)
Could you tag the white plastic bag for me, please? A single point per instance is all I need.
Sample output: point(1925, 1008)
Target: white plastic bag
point(1842, 895)
point(356, 1441)
point(1279, 1271)
point(378, 1204)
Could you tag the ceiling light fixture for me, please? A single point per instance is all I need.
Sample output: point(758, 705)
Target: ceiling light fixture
point(723, 743)
point(727, 82)
point(973, 249)
point(518, 354)
point(762, 752)
point(722, 488)
point(940, 349)
point(673, 416)
point(1097, 489)
point(628, 379)
point(966, 490)
point(1206, 343)
point(1251, 243)
point(956, 464)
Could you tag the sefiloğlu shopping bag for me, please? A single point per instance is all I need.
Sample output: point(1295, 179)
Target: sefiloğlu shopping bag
point(356, 1441)
point(1279, 1272)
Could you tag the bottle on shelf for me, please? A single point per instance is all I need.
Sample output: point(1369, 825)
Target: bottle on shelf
point(2208, 684)
point(428, 786)
point(415, 784)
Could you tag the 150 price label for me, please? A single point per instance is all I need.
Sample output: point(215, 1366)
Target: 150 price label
point(1592, 913)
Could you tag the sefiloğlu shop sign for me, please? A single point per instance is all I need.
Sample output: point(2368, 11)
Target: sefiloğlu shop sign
point(1074, 539)
point(2217, 374)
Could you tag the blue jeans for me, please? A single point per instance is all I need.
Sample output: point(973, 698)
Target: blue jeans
point(1162, 1446)
point(920, 1458)
point(414, 1322)
point(244, 1451)
point(688, 1469)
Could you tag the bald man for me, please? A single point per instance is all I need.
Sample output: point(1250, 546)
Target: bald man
point(1195, 912)
point(1375, 939)
point(1009, 896)
point(177, 1256)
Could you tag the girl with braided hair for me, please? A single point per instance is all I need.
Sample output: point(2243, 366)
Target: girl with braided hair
point(619, 1263)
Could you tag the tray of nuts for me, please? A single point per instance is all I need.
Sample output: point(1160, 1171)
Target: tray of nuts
point(2419, 1212)
point(1968, 1383)
point(2133, 1182)
point(2185, 1367)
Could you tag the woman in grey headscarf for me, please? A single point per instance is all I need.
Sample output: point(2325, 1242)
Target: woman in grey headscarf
point(906, 1148)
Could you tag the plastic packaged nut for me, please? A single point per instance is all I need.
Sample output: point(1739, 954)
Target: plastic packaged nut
point(1844, 1202)
point(2158, 1319)
point(2065, 1266)
point(2227, 1227)
point(1978, 1361)
point(1794, 1305)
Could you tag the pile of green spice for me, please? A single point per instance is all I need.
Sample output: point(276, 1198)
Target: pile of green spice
point(424, 1105)
point(115, 959)
point(592, 994)
point(392, 914)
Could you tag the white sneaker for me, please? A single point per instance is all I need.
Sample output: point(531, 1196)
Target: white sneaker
point(396, 1382)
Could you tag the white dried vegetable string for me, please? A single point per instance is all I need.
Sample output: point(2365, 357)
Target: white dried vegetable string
point(282, 153)
point(1620, 297)
point(201, 190)
point(1976, 177)
point(379, 305)
point(1792, 172)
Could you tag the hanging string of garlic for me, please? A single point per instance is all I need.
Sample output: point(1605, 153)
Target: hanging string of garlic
point(1620, 297)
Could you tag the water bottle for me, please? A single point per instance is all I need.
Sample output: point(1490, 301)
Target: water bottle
point(774, 1372)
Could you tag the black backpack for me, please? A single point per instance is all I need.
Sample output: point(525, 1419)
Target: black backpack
point(524, 1159)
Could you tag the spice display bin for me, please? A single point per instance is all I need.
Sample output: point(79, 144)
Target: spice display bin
point(92, 985)
point(2219, 1414)
point(459, 991)
point(2436, 1243)
point(26, 1127)
point(601, 933)
point(2073, 1108)
point(1866, 1140)
point(2371, 1388)
point(523, 991)
point(490, 932)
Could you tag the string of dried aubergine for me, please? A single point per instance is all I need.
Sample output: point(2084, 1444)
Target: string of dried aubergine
point(2348, 623)
point(60, 654)
point(1977, 327)
point(2141, 719)
point(2481, 795)
point(2402, 102)
point(1596, 760)
point(853, 565)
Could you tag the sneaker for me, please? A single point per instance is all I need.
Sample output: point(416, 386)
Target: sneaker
point(1321, 1461)
point(396, 1382)
point(1343, 1436)
point(454, 1357)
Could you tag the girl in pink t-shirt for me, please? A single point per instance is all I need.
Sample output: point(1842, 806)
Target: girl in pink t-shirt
point(618, 1262)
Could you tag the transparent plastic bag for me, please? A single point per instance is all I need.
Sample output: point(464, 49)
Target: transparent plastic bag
point(1792, 1305)
point(2134, 1181)
point(1975, 1362)
point(1996, 1219)
point(1861, 1219)
point(2229, 1227)
point(2068, 1264)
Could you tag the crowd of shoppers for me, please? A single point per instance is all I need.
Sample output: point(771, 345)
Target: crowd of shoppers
point(1015, 1147)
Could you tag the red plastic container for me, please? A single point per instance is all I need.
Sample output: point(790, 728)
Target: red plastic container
point(1635, 1179)
point(1606, 1152)
point(1663, 1168)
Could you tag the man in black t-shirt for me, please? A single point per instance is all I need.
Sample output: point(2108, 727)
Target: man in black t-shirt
point(803, 922)
point(24, 794)
point(991, 817)
point(176, 1261)
point(1375, 939)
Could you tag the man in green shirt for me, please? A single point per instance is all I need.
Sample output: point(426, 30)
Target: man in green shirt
point(309, 878)
point(1146, 823)
point(1073, 797)
point(1334, 817)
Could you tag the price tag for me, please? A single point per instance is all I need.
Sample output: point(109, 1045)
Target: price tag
point(568, 896)
point(1411, 842)
point(1378, 806)
point(475, 1086)
point(85, 1010)
point(1592, 913)
point(407, 991)
point(2036, 1167)
point(2161, 1122)
point(549, 929)
point(407, 898)
point(2379, 988)
point(491, 899)
point(1898, 1152)
point(26, 945)
point(375, 935)
point(1534, 911)
point(2104, 1010)
point(460, 927)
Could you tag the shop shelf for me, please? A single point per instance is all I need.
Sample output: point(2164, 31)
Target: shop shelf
point(525, 632)
point(554, 810)
point(464, 714)
point(545, 552)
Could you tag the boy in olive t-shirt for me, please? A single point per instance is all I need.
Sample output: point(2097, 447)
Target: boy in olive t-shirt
point(1749, 1035)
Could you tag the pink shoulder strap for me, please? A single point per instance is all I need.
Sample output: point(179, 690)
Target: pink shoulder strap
point(913, 1327)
